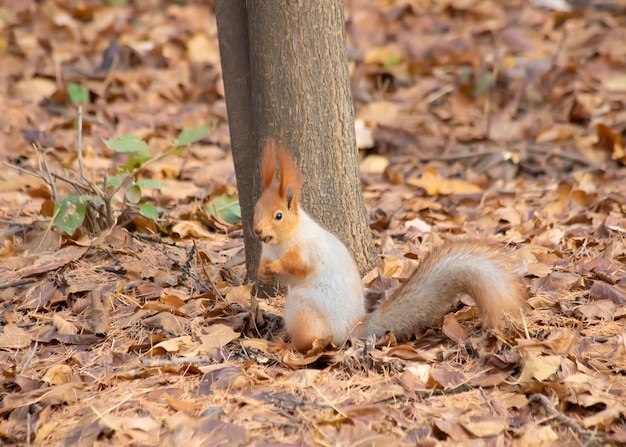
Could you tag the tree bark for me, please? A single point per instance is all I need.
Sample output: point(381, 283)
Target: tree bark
point(232, 28)
point(302, 97)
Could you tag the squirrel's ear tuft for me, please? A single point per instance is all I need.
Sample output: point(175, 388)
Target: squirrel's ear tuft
point(290, 181)
point(268, 164)
point(290, 196)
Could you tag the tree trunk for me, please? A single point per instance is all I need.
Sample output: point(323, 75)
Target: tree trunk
point(232, 27)
point(285, 72)
point(302, 98)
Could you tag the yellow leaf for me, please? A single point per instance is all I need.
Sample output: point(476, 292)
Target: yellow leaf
point(538, 367)
point(217, 336)
point(175, 344)
point(434, 184)
point(58, 374)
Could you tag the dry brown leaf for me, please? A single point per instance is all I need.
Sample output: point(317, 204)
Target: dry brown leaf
point(433, 183)
point(551, 238)
point(14, 337)
point(606, 417)
point(453, 330)
point(180, 405)
point(538, 367)
point(453, 429)
point(446, 377)
point(215, 337)
point(303, 378)
point(63, 326)
point(486, 426)
point(193, 229)
point(374, 164)
point(603, 291)
point(602, 310)
point(178, 344)
point(538, 436)
point(225, 377)
point(57, 374)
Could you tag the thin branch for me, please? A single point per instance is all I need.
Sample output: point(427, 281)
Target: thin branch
point(19, 282)
point(47, 171)
point(176, 361)
point(559, 417)
point(80, 144)
point(30, 357)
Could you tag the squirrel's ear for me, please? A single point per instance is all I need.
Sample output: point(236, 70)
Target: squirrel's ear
point(268, 164)
point(290, 197)
point(290, 182)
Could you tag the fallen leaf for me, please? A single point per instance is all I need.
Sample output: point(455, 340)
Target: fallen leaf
point(433, 183)
point(538, 367)
point(58, 374)
point(453, 330)
point(13, 337)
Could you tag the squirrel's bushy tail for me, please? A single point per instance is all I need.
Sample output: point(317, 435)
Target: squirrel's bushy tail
point(463, 266)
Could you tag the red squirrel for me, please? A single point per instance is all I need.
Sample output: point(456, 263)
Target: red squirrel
point(326, 297)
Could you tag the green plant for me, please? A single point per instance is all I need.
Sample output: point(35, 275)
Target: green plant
point(225, 207)
point(96, 205)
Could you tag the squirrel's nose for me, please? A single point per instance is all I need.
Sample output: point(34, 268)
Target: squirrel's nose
point(258, 231)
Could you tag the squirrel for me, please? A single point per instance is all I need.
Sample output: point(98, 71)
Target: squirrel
point(326, 300)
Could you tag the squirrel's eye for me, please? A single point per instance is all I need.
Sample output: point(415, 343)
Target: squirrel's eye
point(278, 216)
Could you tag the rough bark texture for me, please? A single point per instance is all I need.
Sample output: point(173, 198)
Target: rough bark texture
point(232, 26)
point(301, 96)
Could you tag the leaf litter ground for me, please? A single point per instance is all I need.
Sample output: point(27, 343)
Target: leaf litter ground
point(501, 120)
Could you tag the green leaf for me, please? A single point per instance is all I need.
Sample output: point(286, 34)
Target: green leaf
point(116, 180)
point(138, 150)
point(393, 62)
point(192, 134)
point(149, 210)
point(70, 214)
point(78, 94)
point(133, 194)
point(148, 183)
point(128, 143)
point(482, 85)
point(225, 207)
point(93, 199)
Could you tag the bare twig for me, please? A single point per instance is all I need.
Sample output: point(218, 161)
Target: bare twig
point(461, 156)
point(77, 186)
point(487, 400)
point(44, 158)
point(564, 155)
point(30, 357)
point(559, 417)
point(79, 149)
point(176, 361)
point(559, 47)
point(20, 282)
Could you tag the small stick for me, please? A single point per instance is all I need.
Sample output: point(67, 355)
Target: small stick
point(80, 143)
point(30, 357)
point(556, 415)
point(176, 361)
point(19, 282)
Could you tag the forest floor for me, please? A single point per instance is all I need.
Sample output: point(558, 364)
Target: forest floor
point(503, 120)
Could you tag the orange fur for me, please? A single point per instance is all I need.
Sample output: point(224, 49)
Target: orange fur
point(289, 175)
point(305, 327)
point(268, 164)
point(293, 264)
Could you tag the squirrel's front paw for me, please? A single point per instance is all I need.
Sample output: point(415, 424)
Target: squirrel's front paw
point(268, 269)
